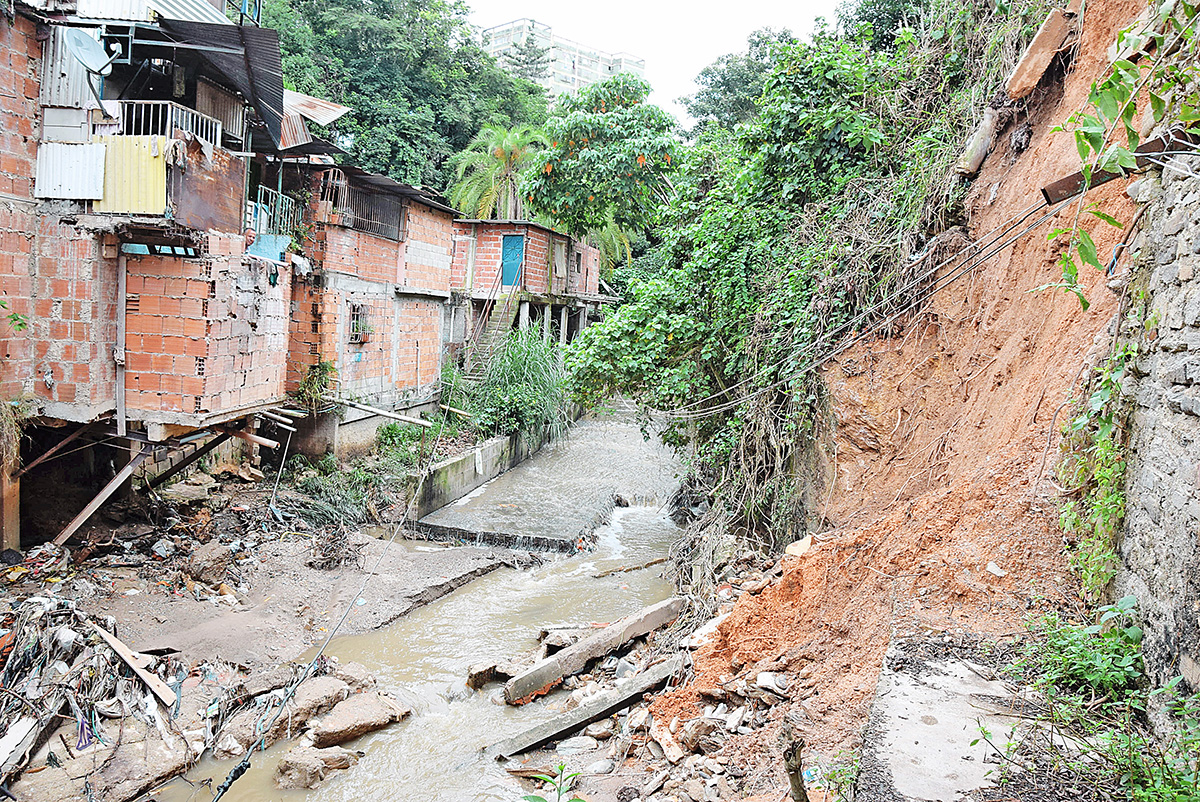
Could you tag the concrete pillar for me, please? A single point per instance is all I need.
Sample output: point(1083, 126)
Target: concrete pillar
point(563, 322)
point(546, 322)
point(523, 315)
point(10, 511)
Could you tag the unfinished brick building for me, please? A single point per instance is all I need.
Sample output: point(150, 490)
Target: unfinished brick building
point(517, 273)
point(123, 188)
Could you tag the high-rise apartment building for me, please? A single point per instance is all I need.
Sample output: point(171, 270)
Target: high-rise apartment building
point(572, 66)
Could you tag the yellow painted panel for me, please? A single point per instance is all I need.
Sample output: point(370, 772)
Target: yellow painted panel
point(135, 175)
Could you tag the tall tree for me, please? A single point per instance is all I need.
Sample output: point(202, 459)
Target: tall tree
point(416, 75)
point(528, 59)
point(609, 161)
point(730, 85)
point(489, 171)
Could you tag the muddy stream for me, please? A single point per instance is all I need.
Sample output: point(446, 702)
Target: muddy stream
point(423, 657)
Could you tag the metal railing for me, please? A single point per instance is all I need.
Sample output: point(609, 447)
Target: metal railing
point(273, 213)
point(162, 117)
point(361, 209)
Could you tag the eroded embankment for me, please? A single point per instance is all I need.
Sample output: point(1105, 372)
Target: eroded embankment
point(937, 519)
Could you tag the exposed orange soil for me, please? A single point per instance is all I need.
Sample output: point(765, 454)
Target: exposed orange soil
point(941, 432)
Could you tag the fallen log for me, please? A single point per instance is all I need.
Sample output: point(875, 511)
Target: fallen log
point(597, 707)
point(575, 658)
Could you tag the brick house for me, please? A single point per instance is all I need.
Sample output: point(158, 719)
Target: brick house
point(376, 304)
point(520, 273)
point(152, 332)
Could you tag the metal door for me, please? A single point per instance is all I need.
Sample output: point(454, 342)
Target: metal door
point(512, 254)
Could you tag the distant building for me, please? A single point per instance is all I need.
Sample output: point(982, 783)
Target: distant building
point(572, 65)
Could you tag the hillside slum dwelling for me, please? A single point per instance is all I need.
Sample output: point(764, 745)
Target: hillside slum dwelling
point(152, 218)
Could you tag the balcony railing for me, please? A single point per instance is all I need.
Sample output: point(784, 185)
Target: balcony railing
point(273, 213)
point(362, 210)
point(162, 117)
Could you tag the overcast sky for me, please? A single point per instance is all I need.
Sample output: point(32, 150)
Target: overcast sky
point(676, 39)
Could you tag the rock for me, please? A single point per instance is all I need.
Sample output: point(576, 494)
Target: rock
point(573, 746)
point(601, 730)
point(772, 682)
point(996, 570)
point(200, 479)
point(620, 500)
point(209, 563)
point(560, 639)
point(599, 767)
point(249, 473)
point(655, 783)
point(356, 675)
point(696, 729)
point(315, 696)
point(184, 493)
point(481, 674)
point(355, 716)
point(663, 737)
point(267, 681)
point(639, 719)
point(695, 789)
point(306, 767)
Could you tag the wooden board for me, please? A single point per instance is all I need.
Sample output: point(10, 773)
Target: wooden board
point(161, 689)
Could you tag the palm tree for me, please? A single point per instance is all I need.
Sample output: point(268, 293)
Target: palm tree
point(489, 171)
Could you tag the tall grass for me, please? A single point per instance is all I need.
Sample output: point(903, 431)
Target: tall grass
point(523, 388)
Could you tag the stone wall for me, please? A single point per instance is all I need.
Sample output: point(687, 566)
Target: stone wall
point(1159, 551)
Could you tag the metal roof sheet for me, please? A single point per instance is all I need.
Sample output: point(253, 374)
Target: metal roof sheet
point(322, 112)
point(382, 183)
point(143, 10)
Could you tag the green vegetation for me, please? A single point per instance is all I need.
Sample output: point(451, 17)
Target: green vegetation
point(786, 235)
point(523, 389)
point(528, 59)
point(489, 172)
point(316, 384)
point(419, 82)
point(1096, 716)
point(730, 85)
point(560, 782)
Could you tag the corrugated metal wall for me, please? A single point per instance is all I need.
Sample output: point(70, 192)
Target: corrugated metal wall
point(135, 175)
point(64, 80)
point(223, 105)
point(69, 171)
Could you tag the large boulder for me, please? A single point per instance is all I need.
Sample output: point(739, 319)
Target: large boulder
point(315, 696)
point(356, 716)
point(306, 766)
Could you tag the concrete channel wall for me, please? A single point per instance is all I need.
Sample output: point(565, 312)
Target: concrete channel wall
point(1160, 550)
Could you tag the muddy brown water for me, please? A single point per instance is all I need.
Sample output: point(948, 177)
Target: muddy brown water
point(423, 658)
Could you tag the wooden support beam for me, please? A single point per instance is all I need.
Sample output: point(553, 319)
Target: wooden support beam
point(50, 452)
point(102, 496)
point(199, 454)
point(382, 412)
point(455, 411)
point(574, 659)
point(597, 707)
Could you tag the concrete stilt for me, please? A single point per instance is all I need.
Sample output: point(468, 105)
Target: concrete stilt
point(523, 315)
point(562, 324)
point(10, 511)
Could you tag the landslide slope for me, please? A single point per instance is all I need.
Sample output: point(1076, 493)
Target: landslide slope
point(940, 439)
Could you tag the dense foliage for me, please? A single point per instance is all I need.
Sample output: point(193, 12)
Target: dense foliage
point(729, 87)
point(783, 236)
point(419, 82)
point(609, 160)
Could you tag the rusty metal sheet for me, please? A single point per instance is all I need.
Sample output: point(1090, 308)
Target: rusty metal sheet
point(69, 171)
point(208, 192)
point(322, 112)
point(293, 131)
point(135, 175)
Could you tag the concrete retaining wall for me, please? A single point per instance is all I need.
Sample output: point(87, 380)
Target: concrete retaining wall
point(452, 479)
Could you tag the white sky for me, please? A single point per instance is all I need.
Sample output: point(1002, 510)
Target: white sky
point(677, 39)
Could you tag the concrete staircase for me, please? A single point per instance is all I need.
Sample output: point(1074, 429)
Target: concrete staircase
point(498, 325)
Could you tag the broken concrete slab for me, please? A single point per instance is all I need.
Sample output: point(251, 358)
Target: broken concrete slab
point(1046, 44)
point(597, 707)
point(360, 714)
point(307, 766)
point(313, 697)
point(918, 746)
point(576, 658)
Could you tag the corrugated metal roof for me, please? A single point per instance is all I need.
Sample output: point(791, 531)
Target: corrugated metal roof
point(322, 112)
point(294, 131)
point(135, 175)
point(382, 183)
point(140, 10)
point(69, 171)
point(64, 80)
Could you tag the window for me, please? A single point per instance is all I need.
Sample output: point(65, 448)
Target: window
point(360, 325)
point(578, 262)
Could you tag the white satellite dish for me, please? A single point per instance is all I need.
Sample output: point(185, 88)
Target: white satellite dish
point(92, 55)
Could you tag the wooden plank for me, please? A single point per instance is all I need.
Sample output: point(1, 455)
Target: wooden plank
point(160, 688)
point(576, 658)
point(101, 497)
point(597, 707)
point(198, 455)
point(1045, 46)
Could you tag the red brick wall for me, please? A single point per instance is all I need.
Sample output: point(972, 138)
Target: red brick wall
point(428, 248)
point(20, 57)
point(204, 336)
point(539, 270)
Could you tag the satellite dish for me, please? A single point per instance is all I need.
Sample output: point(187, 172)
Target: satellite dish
point(88, 52)
point(92, 55)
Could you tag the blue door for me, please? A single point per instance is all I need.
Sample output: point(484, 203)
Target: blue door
point(512, 254)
